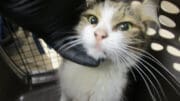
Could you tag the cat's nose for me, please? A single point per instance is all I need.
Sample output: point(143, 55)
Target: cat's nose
point(100, 34)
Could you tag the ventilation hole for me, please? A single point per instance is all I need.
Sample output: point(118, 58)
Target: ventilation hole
point(169, 7)
point(166, 21)
point(156, 46)
point(176, 66)
point(166, 34)
point(151, 31)
point(21, 98)
point(173, 51)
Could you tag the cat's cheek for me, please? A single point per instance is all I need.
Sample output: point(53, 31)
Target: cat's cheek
point(87, 36)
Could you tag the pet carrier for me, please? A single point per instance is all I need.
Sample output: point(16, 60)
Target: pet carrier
point(29, 57)
point(34, 62)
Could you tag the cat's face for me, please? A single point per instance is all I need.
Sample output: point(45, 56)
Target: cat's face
point(108, 29)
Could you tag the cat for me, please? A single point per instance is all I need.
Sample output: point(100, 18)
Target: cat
point(113, 31)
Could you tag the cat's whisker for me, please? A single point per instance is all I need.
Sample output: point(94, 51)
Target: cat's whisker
point(121, 58)
point(153, 59)
point(153, 85)
point(162, 75)
point(68, 39)
point(130, 69)
point(146, 83)
point(155, 78)
point(134, 41)
point(115, 56)
point(70, 32)
point(75, 37)
point(152, 74)
point(142, 76)
point(175, 89)
point(72, 45)
point(68, 44)
point(133, 74)
point(160, 86)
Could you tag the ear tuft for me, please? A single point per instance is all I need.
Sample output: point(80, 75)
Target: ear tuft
point(152, 25)
point(150, 13)
point(136, 4)
point(91, 2)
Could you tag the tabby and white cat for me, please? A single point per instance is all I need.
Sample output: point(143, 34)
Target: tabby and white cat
point(112, 31)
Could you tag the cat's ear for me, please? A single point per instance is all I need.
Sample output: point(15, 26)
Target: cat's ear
point(92, 2)
point(148, 9)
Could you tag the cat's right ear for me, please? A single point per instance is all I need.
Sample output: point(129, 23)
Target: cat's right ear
point(148, 9)
point(89, 3)
point(150, 13)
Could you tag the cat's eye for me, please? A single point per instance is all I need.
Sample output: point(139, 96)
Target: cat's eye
point(125, 26)
point(93, 19)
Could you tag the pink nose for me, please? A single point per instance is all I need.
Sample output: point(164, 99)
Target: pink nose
point(100, 34)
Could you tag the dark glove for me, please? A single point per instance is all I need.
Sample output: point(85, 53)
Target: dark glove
point(50, 19)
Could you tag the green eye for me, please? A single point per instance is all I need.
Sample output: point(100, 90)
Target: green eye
point(93, 19)
point(125, 26)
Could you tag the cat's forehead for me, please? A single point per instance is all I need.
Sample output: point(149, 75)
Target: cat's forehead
point(100, 7)
point(117, 11)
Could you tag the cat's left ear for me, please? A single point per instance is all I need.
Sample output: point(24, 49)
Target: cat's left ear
point(91, 2)
point(148, 9)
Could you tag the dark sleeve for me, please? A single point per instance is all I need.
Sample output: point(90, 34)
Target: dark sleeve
point(49, 19)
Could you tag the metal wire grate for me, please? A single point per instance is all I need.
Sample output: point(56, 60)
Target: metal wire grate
point(29, 57)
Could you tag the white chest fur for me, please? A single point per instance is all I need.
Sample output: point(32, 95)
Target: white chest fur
point(79, 83)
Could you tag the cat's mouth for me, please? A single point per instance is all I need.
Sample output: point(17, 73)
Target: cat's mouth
point(97, 53)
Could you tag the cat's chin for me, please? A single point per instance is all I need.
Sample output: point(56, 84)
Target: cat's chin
point(96, 54)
